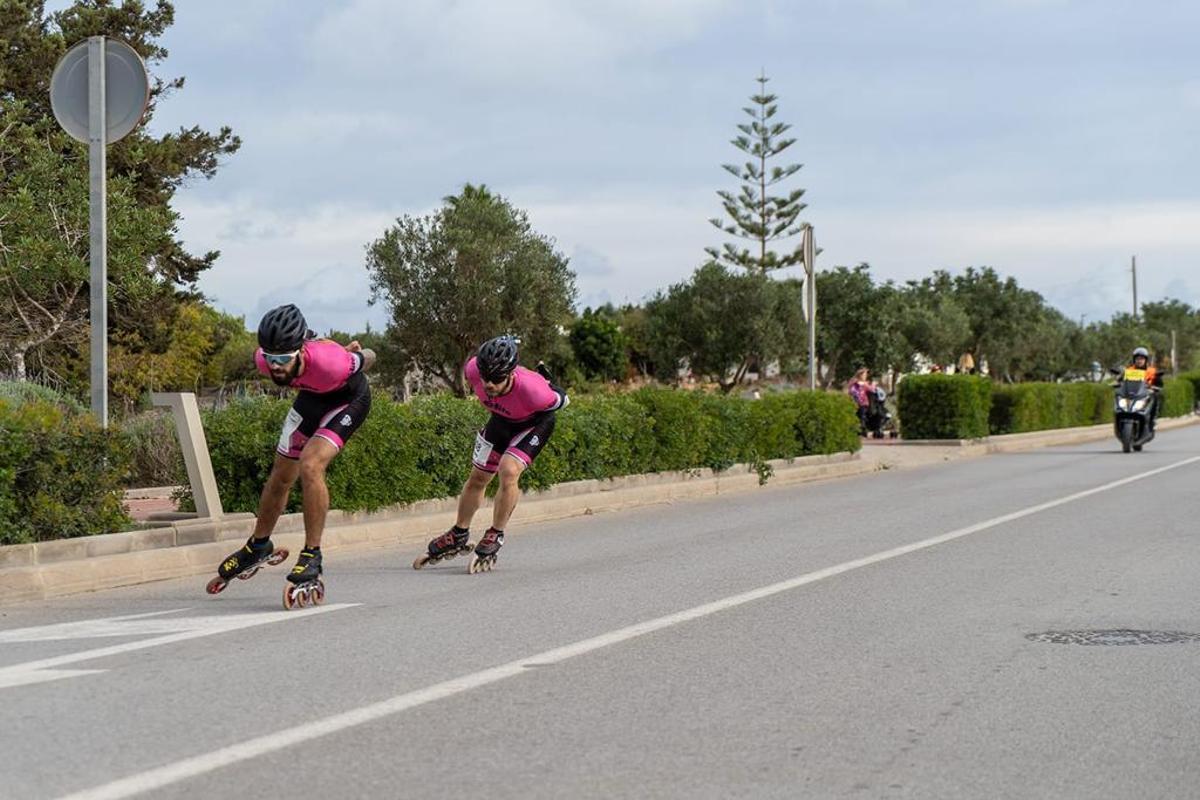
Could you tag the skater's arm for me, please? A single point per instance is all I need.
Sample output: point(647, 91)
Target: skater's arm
point(558, 399)
point(366, 356)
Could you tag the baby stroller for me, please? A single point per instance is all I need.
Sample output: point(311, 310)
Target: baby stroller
point(877, 421)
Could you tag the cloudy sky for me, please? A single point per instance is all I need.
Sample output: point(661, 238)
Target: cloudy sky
point(1051, 139)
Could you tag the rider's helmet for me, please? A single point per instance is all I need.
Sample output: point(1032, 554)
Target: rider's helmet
point(1141, 351)
point(497, 358)
point(282, 330)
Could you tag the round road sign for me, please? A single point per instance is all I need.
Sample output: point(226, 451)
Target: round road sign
point(127, 90)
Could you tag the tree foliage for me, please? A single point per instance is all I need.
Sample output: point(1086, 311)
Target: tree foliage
point(720, 323)
point(154, 166)
point(599, 346)
point(205, 347)
point(756, 213)
point(43, 196)
point(44, 246)
point(469, 271)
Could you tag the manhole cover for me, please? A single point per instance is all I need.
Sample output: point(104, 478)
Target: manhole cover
point(1120, 636)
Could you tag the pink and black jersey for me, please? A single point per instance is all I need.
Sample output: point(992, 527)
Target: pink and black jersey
point(530, 395)
point(333, 400)
point(327, 366)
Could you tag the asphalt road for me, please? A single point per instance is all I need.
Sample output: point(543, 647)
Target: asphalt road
point(870, 637)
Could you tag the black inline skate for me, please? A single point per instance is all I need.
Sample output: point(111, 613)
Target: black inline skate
point(444, 547)
point(305, 586)
point(245, 562)
point(486, 550)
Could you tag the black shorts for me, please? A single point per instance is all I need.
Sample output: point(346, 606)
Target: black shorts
point(521, 440)
point(334, 416)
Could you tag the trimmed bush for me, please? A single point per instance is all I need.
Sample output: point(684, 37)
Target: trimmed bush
point(20, 392)
point(1024, 407)
point(156, 459)
point(944, 406)
point(61, 474)
point(422, 450)
point(1192, 377)
point(1179, 397)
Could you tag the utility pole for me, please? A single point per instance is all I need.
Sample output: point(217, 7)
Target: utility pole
point(1174, 362)
point(1135, 302)
point(810, 301)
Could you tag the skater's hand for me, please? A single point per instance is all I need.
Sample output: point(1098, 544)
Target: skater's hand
point(354, 347)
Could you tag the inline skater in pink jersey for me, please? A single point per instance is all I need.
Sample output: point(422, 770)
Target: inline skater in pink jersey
point(333, 401)
point(523, 405)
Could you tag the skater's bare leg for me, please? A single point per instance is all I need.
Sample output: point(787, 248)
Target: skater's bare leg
point(313, 463)
point(511, 468)
point(472, 496)
point(275, 495)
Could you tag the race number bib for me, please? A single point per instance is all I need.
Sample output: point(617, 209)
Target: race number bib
point(483, 449)
point(291, 424)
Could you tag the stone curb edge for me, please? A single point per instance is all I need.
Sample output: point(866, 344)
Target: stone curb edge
point(1011, 442)
point(54, 569)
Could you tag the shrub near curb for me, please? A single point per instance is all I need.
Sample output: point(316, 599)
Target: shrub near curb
point(1026, 407)
point(1192, 377)
point(1179, 397)
point(944, 406)
point(61, 474)
point(422, 450)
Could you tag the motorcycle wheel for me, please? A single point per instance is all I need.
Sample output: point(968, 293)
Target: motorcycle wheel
point(1126, 436)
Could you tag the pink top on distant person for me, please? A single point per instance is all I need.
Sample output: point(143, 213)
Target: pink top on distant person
point(328, 366)
point(530, 394)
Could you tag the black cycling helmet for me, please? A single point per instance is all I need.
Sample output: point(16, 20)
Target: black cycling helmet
point(497, 358)
point(282, 330)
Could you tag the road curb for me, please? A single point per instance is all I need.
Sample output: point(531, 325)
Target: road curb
point(194, 547)
point(1014, 442)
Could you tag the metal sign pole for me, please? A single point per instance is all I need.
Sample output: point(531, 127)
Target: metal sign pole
point(98, 106)
point(98, 225)
point(810, 268)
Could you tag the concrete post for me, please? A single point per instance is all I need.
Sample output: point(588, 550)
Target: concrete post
point(195, 450)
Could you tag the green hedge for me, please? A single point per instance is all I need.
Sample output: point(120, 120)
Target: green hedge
point(154, 449)
point(1179, 397)
point(1024, 407)
point(1194, 379)
point(944, 406)
point(61, 475)
point(422, 450)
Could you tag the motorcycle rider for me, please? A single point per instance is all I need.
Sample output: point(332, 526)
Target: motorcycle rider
point(1140, 360)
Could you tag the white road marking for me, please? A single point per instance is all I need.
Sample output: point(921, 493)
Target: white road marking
point(176, 629)
point(252, 748)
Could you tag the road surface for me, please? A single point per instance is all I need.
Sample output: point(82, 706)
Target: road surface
point(934, 632)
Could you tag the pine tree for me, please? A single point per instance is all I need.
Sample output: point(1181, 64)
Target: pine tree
point(754, 213)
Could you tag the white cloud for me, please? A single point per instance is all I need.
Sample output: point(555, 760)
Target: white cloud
point(314, 258)
point(627, 244)
point(538, 42)
point(1077, 257)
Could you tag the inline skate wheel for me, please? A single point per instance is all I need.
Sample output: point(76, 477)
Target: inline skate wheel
point(420, 561)
point(216, 585)
point(277, 557)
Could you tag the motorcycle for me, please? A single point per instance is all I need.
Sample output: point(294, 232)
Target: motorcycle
point(1132, 411)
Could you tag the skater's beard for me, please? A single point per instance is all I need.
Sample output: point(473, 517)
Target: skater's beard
point(497, 389)
point(285, 377)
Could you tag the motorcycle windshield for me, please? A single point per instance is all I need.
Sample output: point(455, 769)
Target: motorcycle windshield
point(1133, 389)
